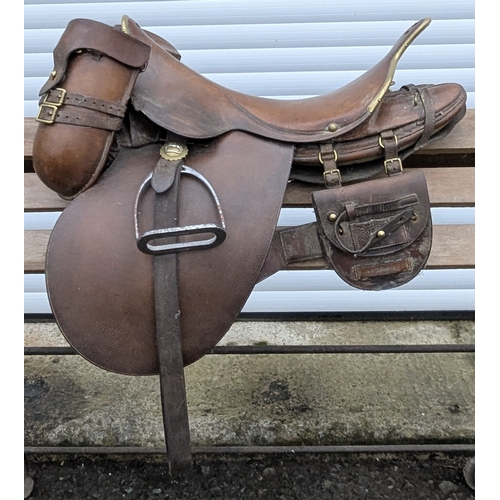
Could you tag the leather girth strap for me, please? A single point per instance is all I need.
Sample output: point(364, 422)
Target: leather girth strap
point(166, 184)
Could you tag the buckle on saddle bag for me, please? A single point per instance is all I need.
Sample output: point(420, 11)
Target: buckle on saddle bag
point(48, 108)
point(376, 234)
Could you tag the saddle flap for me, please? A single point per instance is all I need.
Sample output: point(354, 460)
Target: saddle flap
point(94, 263)
point(376, 234)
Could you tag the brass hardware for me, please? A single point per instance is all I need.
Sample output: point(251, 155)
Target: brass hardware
point(124, 24)
point(397, 159)
point(50, 105)
point(381, 234)
point(52, 113)
point(60, 97)
point(333, 127)
point(335, 157)
point(393, 63)
point(53, 74)
point(380, 141)
point(335, 171)
point(414, 217)
point(332, 216)
point(341, 231)
point(172, 151)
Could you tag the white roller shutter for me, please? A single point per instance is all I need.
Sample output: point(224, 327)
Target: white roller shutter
point(286, 49)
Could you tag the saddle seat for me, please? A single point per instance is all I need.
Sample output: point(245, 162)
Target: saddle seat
point(179, 99)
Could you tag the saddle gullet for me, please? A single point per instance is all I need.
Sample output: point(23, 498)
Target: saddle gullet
point(179, 99)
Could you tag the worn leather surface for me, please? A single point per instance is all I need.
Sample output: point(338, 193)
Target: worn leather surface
point(94, 61)
point(376, 234)
point(179, 99)
point(100, 285)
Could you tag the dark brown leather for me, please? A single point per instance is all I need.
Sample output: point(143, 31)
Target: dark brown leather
point(376, 234)
point(350, 118)
point(100, 285)
point(83, 104)
point(179, 99)
point(203, 226)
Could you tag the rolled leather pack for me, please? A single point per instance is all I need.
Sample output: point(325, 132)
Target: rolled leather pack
point(83, 104)
point(417, 114)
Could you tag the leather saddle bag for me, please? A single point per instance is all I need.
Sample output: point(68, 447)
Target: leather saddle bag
point(376, 234)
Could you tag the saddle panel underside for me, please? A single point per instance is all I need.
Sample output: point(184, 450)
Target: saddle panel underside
point(93, 262)
point(179, 99)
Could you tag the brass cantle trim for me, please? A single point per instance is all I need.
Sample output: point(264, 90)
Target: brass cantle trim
point(414, 32)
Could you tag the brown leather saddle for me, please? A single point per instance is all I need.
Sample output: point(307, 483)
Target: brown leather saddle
point(177, 182)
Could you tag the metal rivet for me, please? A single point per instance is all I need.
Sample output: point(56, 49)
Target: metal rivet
point(414, 217)
point(53, 74)
point(332, 216)
point(332, 127)
point(381, 234)
point(341, 231)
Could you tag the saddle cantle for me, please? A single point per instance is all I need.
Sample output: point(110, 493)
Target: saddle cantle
point(176, 184)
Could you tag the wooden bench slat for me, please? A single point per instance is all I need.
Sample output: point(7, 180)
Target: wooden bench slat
point(39, 198)
point(450, 187)
point(453, 247)
point(460, 140)
point(35, 248)
point(447, 187)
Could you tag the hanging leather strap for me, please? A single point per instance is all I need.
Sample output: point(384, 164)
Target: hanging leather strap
point(168, 321)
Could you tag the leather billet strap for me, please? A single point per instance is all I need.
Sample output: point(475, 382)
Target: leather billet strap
point(166, 184)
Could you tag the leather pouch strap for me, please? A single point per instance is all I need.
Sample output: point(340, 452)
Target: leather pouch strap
point(59, 97)
point(49, 114)
point(293, 244)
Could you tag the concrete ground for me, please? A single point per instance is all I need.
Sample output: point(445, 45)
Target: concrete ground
point(317, 399)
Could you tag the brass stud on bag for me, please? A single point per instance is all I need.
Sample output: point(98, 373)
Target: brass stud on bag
point(332, 127)
point(332, 216)
point(381, 234)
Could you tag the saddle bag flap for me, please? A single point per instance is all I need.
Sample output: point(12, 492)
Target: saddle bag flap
point(83, 104)
point(376, 234)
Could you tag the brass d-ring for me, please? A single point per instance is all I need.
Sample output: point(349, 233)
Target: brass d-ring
point(380, 141)
point(335, 157)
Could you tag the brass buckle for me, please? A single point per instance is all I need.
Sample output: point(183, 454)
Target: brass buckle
point(50, 105)
point(52, 114)
point(397, 159)
point(332, 181)
point(60, 97)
